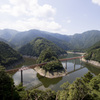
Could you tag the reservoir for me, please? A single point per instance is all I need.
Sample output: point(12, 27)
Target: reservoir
point(76, 68)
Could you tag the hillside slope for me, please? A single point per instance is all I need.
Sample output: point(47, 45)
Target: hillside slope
point(25, 37)
point(35, 47)
point(8, 56)
point(85, 40)
point(93, 52)
point(66, 42)
point(8, 34)
point(80, 41)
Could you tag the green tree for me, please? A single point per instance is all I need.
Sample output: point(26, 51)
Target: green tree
point(94, 85)
point(7, 88)
point(78, 90)
point(42, 95)
point(53, 63)
point(47, 55)
point(87, 77)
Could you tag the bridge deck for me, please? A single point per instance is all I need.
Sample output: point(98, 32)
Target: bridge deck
point(35, 65)
point(71, 58)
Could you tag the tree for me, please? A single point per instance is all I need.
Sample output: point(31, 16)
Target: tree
point(53, 63)
point(87, 77)
point(42, 95)
point(94, 85)
point(47, 55)
point(7, 88)
point(78, 90)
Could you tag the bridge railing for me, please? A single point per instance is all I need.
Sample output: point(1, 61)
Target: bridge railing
point(71, 58)
point(41, 64)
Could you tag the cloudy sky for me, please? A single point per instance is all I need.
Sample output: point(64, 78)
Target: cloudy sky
point(61, 16)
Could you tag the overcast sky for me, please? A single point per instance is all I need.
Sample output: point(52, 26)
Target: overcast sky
point(60, 16)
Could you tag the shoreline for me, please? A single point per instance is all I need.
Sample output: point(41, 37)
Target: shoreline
point(92, 62)
point(42, 72)
point(12, 66)
point(75, 53)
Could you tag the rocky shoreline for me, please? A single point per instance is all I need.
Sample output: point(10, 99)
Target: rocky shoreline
point(92, 62)
point(42, 72)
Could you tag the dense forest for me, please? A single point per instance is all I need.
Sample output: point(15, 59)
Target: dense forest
point(84, 88)
point(8, 56)
point(35, 47)
point(51, 57)
point(93, 53)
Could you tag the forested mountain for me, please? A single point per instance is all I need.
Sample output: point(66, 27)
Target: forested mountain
point(10, 44)
point(93, 53)
point(23, 38)
point(80, 41)
point(66, 42)
point(35, 47)
point(85, 40)
point(1, 39)
point(7, 34)
point(8, 56)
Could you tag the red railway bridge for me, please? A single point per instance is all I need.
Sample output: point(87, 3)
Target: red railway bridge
point(41, 64)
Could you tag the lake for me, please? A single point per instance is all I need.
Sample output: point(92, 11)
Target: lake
point(31, 79)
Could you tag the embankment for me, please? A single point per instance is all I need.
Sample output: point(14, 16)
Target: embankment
point(92, 62)
point(47, 74)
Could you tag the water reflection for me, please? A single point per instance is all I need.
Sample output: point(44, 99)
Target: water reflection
point(74, 67)
point(29, 78)
point(72, 64)
point(95, 70)
point(47, 81)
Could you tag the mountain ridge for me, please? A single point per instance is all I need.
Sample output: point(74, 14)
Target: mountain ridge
point(36, 46)
point(66, 42)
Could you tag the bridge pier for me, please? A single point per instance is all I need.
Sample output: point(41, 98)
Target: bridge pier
point(74, 62)
point(74, 67)
point(22, 77)
point(80, 60)
point(66, 65)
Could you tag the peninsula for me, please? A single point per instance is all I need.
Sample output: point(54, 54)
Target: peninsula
point(53, 68)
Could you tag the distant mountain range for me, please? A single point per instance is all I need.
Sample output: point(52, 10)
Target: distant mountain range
point(10, 44)
point(66, 42)
point(23, 38)
point(35, 47)
point(1, 39)
point(8, 34)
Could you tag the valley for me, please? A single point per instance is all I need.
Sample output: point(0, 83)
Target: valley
point(39, 47)
point(50, 50)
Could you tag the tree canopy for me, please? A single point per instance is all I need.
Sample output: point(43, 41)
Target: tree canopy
point(93, 53)
point(35, 47)
point(84, 88)
point(51, 57)
point(8, 56)
point(7, 88)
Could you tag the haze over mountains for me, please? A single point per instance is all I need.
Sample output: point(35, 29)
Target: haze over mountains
point(8, 34)
point(77, 41)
